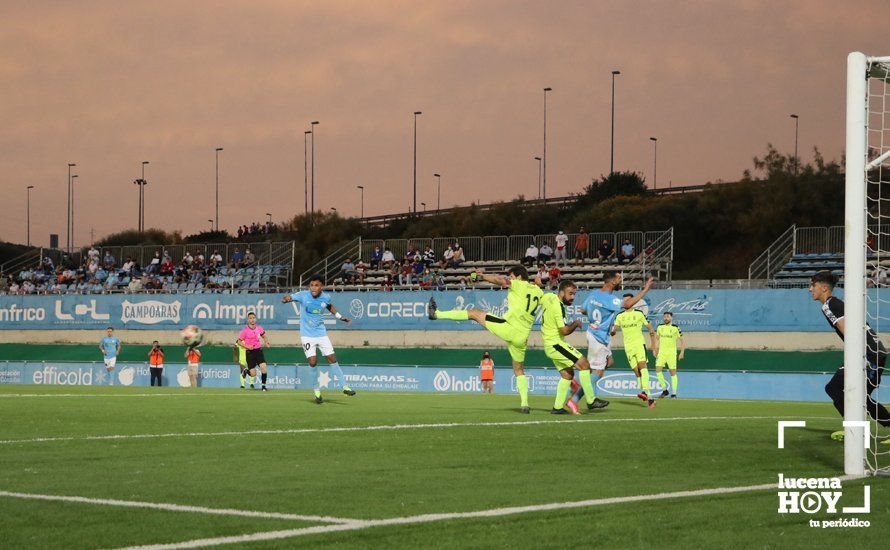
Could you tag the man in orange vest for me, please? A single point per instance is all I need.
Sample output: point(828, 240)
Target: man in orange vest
point(486, 371)
point(193, 357)
point(156, 362)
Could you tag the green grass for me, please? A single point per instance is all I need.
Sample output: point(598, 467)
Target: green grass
point(375, 474)
point(730, 360)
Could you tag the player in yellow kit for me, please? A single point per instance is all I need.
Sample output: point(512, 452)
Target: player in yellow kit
point(631, 322)
point(523, 302)
point(565, 358)
point(667, 336)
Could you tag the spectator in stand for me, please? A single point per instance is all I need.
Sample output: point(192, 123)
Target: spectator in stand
point(135, 285)
point(406, 273)
point(48, 262)
point(128, 265)
point(545, 253)
point(628, 253)
point(101, 274)
point(562, 240)
point(606, 252)
point(14, 288)
point(237, 259)
point(167, 266)
point(581, 244)
point(361, 271)
point(531, 255)
point(418, 266)
point(199, 260)
point(555, 275)
point(458, 257)
point(108, 260)
point(543, 274)
point(216, 259)
point(93, 254)
point(347, 271)
point(249, 259)
point(447, 256)
point(438, 280)
point(240, 232)
point(388, 259)
point(376, 258)
point(429, 256)
point(426, 279)
point(412, 254)
point(28, 287)
point(188, 259)
point(4, 284)
point(155, 264)
point(387, 282)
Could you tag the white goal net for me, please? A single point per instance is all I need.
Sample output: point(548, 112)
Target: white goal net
point(867, 260)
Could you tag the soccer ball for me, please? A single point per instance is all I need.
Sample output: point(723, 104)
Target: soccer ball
point(192, 335)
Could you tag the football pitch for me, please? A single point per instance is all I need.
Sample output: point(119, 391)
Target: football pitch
point(113, 467)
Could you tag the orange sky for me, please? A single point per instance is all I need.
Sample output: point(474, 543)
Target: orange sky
point(110, 84)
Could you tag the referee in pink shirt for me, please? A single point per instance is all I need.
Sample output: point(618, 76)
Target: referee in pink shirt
point(252, 338)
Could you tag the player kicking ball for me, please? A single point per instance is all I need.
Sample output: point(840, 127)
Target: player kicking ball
point(631, 322)
point(821, 288)
point(523, 301)
point(314, 335)
point(667, 336)
point(110, 346)
point(565, 358)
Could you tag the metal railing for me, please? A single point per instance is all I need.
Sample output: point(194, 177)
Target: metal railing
point(329, 266)
point(774, 257)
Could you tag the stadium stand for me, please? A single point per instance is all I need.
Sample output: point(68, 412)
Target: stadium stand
point(361, 264)
point(801, 252)
point(190, 268)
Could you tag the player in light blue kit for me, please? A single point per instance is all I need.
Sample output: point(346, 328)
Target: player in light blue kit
point(314, 335)
point(601, 307)
point(110, 346)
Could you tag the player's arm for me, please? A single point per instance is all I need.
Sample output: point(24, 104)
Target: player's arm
point(653, 344)
point(101, 348)
point(631, 301)
point(240, 343)
point(338, 315)
point(656, 342)
point(570, 328)
point(840, 325)
point(499, 280)
point(119, 346)
point(265, 340)
point(287, 299)
point(682, 347)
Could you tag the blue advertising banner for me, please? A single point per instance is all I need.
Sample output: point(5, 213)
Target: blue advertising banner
point(766, 310)
point(703, 385)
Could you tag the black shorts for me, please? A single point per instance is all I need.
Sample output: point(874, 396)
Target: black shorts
point(255, 357)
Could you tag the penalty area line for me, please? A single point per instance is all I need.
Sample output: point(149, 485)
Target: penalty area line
point(175, 507)
point(430, 518)
point(390, 427)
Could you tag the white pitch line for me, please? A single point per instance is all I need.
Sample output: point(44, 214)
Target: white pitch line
point(429, 518)
point(174, 507)
point(386, 427)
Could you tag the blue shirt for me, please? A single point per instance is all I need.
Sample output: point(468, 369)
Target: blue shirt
point(602, 308)
point(312, 312)
point(109, 345)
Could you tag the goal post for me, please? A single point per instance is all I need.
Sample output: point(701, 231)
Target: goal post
point(855, 209)
point(866, 246)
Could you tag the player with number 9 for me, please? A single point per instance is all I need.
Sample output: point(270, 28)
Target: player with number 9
point(523, 303)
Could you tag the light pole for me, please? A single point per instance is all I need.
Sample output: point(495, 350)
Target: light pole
point(539, 176)
point(361, 189)
point(312, 126)
point(612, 148)
point(73, 177)
point(29, 213)
point(544, 184)
point(796, 127)
point(306, 171)
point(68, 215)
point(438, 191)
point(654, 141)
point(211, 225)
point(217, 150)
point(270, 218)
point(415, 160)
point(423, 204)
point(334, 210)
point(142, 198)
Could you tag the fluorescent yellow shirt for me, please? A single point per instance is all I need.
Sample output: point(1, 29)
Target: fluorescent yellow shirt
point(523, 301)
point(632, 323)
point(667, 339)
point(553, 318)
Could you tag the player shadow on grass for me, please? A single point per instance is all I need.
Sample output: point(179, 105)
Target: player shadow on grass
point(821, 449)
